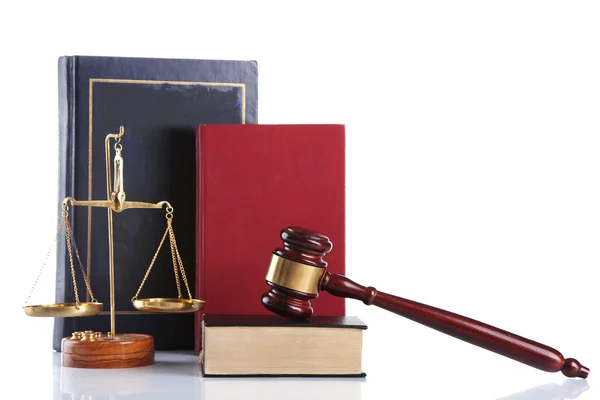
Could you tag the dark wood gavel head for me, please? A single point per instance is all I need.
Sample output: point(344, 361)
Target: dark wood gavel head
point(295, 272)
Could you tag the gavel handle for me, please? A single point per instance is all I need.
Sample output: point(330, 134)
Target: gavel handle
point(477, 333)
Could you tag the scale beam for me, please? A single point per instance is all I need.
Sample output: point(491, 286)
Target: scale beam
point(115, 205)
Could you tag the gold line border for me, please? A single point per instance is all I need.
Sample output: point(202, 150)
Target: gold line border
point(90, 124)
point(89, 214)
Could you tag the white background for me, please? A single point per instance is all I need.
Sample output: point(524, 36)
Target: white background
point(473, 163)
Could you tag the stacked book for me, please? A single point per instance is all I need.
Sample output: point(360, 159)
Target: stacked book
point(245, 345)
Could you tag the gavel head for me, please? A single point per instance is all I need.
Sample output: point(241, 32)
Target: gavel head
point(295, 272)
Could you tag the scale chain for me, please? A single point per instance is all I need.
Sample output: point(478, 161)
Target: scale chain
point(45, 260)
point(68, 234)
point(85, 277)
point(151, 265)
point(179, 260)
point(173, 256)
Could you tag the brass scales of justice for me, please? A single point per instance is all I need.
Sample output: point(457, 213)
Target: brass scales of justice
point(90, 349)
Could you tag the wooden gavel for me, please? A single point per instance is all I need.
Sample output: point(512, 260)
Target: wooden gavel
point(297, 273)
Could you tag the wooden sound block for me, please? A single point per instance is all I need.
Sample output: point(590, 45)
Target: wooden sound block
point(96, 350)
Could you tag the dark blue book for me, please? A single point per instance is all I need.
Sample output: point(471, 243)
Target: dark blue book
point(160, 102)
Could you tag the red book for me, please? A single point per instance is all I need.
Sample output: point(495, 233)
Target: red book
point(253, 181)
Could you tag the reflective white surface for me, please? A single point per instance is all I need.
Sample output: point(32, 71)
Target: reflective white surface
point(178, 376)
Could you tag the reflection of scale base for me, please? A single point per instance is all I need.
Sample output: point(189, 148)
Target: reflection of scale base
point(90, 349)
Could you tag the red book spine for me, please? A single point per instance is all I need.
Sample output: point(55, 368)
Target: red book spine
point(253, 181)
point(199, 241)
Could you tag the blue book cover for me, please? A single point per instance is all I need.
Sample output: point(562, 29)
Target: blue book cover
point(160, 102)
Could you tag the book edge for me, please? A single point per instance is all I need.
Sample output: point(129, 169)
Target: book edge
point(66, 149)
point(361, 375)
point(202, 360)
point(161, 59)
point(199, 318)
point(359, 324)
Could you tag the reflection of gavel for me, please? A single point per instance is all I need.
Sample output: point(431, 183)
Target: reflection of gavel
point(297, 273)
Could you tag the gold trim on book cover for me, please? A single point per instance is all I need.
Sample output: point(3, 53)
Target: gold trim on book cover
point(90, 125)
point(293, 275)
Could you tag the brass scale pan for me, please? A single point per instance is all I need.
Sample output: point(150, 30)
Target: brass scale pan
point(169, 305)
point(64, 309)
point(88, 309)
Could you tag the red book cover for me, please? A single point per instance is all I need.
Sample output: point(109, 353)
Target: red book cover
point(253, 181)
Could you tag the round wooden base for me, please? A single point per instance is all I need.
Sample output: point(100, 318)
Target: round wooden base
point(94, 350)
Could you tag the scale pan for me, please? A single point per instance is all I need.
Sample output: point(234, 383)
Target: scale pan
point(168, 305)
point(64, 310)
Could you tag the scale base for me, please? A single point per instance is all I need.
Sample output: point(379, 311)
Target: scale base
point(90, 349)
